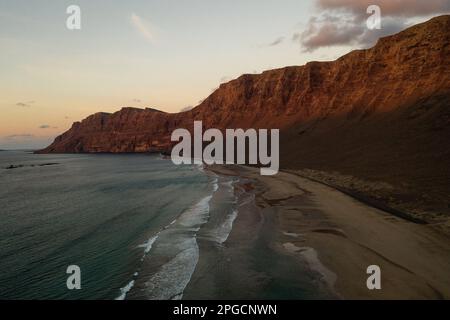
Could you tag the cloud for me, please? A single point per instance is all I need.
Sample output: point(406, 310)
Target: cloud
point(46, 126)
point(137, 100)
point(343, 22)
point(390, 26)
point(24, 104)
point(142, 27)
point(325, 31)
point(19, 136)
point(392, 8)
point(276, 42)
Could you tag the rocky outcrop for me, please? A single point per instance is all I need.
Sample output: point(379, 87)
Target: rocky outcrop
point(376, 115)
point(400, 70)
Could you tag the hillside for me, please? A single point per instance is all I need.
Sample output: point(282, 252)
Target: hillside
point(374, 121)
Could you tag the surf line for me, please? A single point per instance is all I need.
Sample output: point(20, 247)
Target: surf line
point(236, 151)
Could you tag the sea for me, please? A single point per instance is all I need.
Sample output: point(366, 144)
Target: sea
point(109, 215)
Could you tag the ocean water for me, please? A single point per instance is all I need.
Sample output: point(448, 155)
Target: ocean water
point(128, 221)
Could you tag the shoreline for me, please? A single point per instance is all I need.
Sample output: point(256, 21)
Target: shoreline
point(365, 199)
point(249, 264)
point(340, 237)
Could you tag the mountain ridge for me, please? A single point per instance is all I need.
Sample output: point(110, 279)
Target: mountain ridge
point(374, 121)
point(286, 96)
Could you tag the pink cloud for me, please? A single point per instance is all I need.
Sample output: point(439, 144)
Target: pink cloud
point(343, 22)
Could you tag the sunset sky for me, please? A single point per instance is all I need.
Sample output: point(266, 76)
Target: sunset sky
point(167, 54)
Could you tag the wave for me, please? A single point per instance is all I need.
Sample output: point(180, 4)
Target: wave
point(223, 232)
point(125, 290)
point(173, 277)
point(149, 244)
point(195, 216)
point(176, 243)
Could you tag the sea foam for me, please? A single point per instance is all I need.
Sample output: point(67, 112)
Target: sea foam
point(148, 245)
point(125, 290)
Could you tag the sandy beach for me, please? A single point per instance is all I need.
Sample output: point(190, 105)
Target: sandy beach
point(321, 230)
point(251, 263)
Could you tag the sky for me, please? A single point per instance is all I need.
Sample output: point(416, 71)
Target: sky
point(167, 55)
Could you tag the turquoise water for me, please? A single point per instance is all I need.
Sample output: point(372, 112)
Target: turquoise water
point(100, 212)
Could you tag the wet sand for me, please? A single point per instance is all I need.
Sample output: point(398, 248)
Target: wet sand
point(251, 264)
point(324, 237)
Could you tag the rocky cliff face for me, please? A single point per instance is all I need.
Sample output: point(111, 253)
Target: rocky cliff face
point(375, 122)
point(377, 115)
point(381, 114)
point(400, 70)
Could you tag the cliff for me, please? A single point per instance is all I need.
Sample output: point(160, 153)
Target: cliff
point(380, 114)
point(400, 70)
